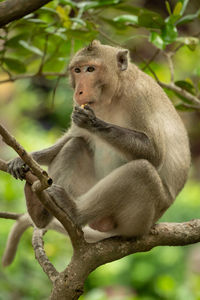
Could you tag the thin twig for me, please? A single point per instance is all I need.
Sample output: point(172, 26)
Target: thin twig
point(44, 55)
point(9, 215)
point(108, 38)
point(54, 92)
point(27, 76)
point(181, 92)
point(151, 59)
point(171, 86)
point(170, 63)
point(38, 246)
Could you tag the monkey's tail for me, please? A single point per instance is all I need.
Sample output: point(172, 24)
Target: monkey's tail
point(14, 237)
point(24, 222)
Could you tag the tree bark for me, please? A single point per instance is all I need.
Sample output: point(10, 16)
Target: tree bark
point(11, 10)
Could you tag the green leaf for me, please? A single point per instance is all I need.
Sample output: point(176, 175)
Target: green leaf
point(185, 85)
point(85, 5)
point(28, 16)
point(177, 9)
point(130, 19)
point(184, 5)
point(48, 9)
point(79, 21)
point(191, 42)
point(13, 42)
point(31, 48)
point(37, 21)
point(188, 18)
point(150, 20)
point(172, 19)
point(168, 7)
point(15, 65)
point(157, 40)
point(169, 33)
point(68, 2)
point(82, 35)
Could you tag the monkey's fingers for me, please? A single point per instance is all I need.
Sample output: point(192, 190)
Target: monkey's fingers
point(87, 107)
point(17, 168)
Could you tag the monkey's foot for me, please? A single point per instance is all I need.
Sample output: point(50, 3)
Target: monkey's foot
point(153, 230)
point(61, 198)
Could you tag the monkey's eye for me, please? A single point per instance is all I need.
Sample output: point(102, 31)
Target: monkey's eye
point(90, 69)
point(77, 70)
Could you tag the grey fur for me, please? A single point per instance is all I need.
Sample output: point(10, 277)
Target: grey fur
point(126, 156)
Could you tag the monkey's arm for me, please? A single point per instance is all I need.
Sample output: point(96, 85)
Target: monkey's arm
point(133, 144)
point(16, 167)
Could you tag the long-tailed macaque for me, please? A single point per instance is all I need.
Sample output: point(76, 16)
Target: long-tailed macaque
point(126, 155)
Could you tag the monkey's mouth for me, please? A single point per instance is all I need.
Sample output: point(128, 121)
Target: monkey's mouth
point(89, 103)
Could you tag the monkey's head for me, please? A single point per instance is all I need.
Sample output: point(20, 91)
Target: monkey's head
point(95, 73)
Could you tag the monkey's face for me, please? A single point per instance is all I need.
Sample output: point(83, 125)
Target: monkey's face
point(87, 82)
point(95, 73)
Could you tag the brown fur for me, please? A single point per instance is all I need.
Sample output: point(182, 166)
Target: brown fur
point(126, 155)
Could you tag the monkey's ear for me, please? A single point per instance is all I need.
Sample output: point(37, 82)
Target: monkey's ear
point(122, 59)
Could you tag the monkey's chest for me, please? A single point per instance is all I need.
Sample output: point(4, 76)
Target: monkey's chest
point(106, 159)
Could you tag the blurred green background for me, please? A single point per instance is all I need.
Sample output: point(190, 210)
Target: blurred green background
point(37, 111)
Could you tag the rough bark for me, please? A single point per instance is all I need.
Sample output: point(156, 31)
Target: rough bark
point(11, 10)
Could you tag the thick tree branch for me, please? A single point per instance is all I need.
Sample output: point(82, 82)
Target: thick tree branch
point(69, 284)
point(11, 10)
point(163, 234)
point(74, 232)
point(42, 175)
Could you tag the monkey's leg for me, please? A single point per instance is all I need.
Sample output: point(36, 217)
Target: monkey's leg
point(133, 195)
point(73, 168)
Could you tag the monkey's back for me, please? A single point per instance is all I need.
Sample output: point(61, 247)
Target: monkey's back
point(152, 107)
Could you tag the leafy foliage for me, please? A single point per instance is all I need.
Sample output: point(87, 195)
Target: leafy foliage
point(43, 42)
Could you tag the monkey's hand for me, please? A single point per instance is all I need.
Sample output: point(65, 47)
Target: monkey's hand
point(85, 118)
point(17, 168)
point(62, 200)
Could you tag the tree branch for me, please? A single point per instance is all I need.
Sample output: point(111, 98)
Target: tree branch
point(74, 232)
point(3, 165)
point(181, 92)
point(27, 76)
point(9, 215)
point(163, 234)
point(171, 86)
point(42, 175)
point(11, 10)
point(38, 246)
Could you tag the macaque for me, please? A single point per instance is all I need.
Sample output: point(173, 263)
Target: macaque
point(126, 155)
